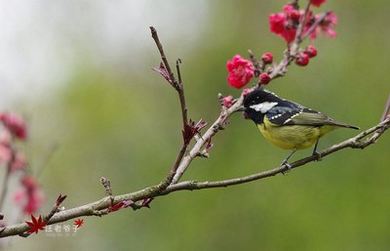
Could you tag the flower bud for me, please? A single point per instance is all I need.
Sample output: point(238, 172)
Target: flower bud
point(264, 78)
point(302, 59)
point(267, 58)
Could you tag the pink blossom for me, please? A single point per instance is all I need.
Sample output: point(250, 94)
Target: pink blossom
point(291, 12)
point(327, 26)
point(240, 71)
point(280, 25)
point(285, 23)
point(14, 124)
point(30, 197)
point(317, 3)
point(34, 202)
point(277, 22)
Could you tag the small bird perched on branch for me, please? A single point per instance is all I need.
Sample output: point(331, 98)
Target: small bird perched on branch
point(287, 124)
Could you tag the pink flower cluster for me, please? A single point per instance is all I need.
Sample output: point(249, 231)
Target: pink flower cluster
point(14, 127)
point(285, 23)
point(14, 124)
point(30, 197)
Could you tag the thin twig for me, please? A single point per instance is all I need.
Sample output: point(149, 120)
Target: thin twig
point(163, 57)
point(179, 87)
point(180, 90)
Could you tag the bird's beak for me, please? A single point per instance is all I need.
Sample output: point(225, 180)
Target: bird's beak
point(243, 109)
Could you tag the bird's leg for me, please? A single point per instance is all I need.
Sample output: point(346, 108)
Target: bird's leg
point(285, 161)
point(315, 152)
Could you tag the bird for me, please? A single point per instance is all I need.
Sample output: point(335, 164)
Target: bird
point(287, 124)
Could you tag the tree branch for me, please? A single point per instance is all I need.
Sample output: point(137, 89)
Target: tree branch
point(360, 141)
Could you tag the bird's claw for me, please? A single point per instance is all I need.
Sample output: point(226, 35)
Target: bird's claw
point(287, 165)
point(317, 155)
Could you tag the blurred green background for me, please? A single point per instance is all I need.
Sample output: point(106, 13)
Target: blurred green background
point(111, 116)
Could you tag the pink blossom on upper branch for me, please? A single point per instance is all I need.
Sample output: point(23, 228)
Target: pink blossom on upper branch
point(329, 24)
point(240, 70)
point(280, 25)
point(317, 3)
point(291, 12)
point(285, 23)
point(14, 124)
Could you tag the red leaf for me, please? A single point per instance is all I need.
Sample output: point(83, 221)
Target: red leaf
point(191, 129)
point(36, 224)
point(163, 72)
point(78, 223)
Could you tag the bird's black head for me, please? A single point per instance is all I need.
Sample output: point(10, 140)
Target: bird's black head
point(258, 103)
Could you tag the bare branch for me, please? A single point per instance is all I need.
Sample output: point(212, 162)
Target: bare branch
point(179, 87)
point(360, 141)
point(355, 142)
point(183, 106)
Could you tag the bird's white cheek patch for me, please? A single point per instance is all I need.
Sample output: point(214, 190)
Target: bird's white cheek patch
point(263, 107)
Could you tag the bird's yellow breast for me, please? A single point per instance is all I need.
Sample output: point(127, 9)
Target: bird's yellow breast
point(292, 136)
